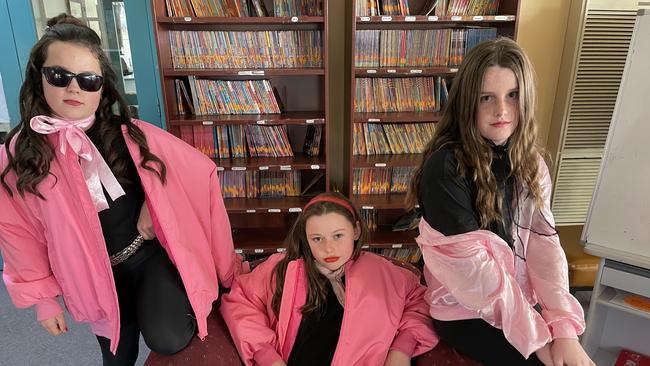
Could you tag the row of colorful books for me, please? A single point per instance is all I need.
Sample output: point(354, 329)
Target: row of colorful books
point(252, 49)
point(259, 184)
point(432, 7)
point(242, 8)
point(400, 94)
point(409, 255)
point(417, 47)
point(403, 138)
point(242, 141)
point(209, 96)
point(381, 180)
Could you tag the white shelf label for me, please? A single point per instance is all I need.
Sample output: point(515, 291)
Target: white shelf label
point(239, 168)
point(285, 167)
point(258, 251)
point(374, 119)
point(365, 19)
point(281, 250)
point(409, 18)
point(367, 207)
point(396, 246)
point(315, 166)
point(501, 17)
point(309, 121)
point(239, 251)
point(244, 73)
point(207, 123)
point(415, 71)
point(456, 18)
point(220, 169)
point(264, 167)
point(477, 18)
point(187, 19)
point(386, 18)
point(391, 71)
point(380, 165)
point(453, 69)
point(258, 72)
point(294, 19)
point(274, 210)
point(371, 71)
point(365, 246)
point(251, 211)
point(417, 206)
point(432, 18)
point(295, 209)
point(261, 122)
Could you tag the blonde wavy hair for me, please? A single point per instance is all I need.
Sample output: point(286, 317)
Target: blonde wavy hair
point(457, 128)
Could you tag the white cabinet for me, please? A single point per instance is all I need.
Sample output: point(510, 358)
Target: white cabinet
point(611, 323)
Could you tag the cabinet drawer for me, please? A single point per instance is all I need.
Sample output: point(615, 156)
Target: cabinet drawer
point(627, 281)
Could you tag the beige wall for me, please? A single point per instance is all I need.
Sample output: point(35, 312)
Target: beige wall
point(540, 31)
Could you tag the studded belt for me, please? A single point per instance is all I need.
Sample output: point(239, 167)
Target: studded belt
point(125, 253)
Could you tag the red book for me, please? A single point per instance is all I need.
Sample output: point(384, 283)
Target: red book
point(629, 358)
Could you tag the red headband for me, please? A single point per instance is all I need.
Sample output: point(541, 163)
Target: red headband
point(335, 200)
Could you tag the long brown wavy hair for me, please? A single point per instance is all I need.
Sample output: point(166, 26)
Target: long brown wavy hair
point(457, 128)
point(32, 152)
point(298, 247)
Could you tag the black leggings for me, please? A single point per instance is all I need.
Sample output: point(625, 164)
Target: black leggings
point(480, 341)
point(153, 301)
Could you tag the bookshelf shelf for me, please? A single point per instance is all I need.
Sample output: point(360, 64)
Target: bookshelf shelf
point(286, 118)
point(285, 21)
point(378, 44)
point(395, 117)
point(297, 162)
point(300, 94)
point(385, 160)
point(265, 205)
point(403, 71)
point(444, 20)
point(244, 73)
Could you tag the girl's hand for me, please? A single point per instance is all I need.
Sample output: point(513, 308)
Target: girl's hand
point(397, 358)
point(567, 351)
point(544, 355)
point(145, 225)
point(55, 325)
point(278, 363)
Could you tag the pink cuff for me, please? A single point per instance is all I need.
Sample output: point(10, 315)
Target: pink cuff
point(47, 308)
point(266, 355)
point(563, 329)
point(405, 343)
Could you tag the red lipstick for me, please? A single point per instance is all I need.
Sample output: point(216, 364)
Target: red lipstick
point(72, 102)
point(331, 259)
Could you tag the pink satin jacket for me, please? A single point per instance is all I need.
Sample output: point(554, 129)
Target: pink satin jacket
point(384, 309)
point(476, 275)
point(55, 246)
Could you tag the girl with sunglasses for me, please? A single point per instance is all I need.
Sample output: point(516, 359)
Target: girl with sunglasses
point(326, 302)
point(122, 220)
point(497, 275)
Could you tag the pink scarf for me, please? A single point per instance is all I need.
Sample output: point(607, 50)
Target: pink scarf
point(335, 278)
point(95, 170)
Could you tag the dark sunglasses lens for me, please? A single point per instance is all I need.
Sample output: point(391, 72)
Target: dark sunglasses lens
point(90, 82)
point(57, 77)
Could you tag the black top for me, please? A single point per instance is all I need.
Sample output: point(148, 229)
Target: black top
point(120, 219)
point(318, 335)
point(448, 201)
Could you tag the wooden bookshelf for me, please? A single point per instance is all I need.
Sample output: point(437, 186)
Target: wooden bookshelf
point(388, 208)
point(259, 224)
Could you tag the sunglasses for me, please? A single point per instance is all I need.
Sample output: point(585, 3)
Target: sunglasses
point(61, 78)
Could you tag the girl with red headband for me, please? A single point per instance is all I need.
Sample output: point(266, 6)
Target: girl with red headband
point(325, 302)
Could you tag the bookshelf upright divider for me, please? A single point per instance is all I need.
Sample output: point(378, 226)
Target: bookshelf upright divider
point(402, 60)
point(250, 92)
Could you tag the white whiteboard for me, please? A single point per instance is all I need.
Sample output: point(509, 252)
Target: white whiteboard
point(618, 223)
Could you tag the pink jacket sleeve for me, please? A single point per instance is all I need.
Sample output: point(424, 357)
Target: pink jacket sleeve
point(477, 270)
point(27, 273)
point(548, 271)
point(416, 335)
point(246, 310)
point(228, 263)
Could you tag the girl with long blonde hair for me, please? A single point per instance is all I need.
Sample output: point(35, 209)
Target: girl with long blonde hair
point(497, 275)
